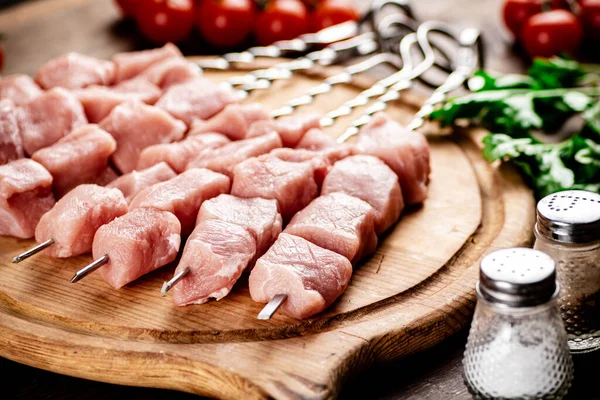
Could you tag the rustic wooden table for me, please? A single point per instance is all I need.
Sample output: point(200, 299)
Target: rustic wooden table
point(38, 30)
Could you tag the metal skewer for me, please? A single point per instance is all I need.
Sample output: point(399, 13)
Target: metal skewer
point(470, 57)
point(174, 280)
point(272, 306)
point(33, 251)
point(406, 76)
point(282, 48)
point(94, 265)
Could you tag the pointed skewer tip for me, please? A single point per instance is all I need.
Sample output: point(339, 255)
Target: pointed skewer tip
point(174, 280)
point(272, 307)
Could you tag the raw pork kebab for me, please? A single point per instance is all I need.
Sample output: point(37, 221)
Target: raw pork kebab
point(274, 170)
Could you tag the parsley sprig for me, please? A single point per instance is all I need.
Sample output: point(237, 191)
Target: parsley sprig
point(515, 107)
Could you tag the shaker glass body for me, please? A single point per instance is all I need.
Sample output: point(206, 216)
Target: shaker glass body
point(578, 273)
point(517, 353)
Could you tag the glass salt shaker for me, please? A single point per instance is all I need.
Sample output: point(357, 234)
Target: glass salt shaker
point(568, 229)
point(517, 347)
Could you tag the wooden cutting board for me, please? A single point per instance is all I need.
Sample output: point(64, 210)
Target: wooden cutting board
point(415, 291)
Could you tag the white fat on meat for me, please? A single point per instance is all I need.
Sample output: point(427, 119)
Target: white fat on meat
point(292, 184)
point(80, 157)
point(179, 154)
point(49, 117)
point(260, 216)
point(74, 219)
point(225, 158)
point(135, 126)
point(312, 277)
point(25, 195)
point(405, 151)
point(75, 71)
point(18, 88)
point(338, 222)
point(11, 145)
point(217, 253)
point(233, 122)
point(133, 63)
point(134, 182)
point(136, 243)
point(196, 98)
point(369, 179)
point(183, 195)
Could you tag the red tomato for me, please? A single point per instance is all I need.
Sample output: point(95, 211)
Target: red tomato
point(281, 20)
point(127, 7)
point(517, 12)
point(165, 20)
point(225, 23)
point(589, 15)
point(333, 12)
point(1, 57)
point(551, 33)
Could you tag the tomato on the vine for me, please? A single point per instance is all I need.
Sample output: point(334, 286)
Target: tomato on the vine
point(281, 20)
point(551, 33)
point(165, 20)
point(589, 15)
point(517, 12)
point(333, 12)
point(225, 23)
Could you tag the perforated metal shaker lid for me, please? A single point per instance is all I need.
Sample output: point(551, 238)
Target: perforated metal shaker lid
point(572, 216)
point(517, 277)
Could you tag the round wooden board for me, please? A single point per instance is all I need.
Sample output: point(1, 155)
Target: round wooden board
point(416, 290)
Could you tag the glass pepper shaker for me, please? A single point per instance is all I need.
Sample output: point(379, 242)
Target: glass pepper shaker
point(568, 229)
point(517, 347)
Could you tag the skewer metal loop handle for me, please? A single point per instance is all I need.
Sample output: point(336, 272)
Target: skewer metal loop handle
point(85, 271)
point(174, 280)
point(33, 251)
point(272, 307)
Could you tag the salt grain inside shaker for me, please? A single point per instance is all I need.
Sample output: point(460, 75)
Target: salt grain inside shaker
point(517, 347)
point(568, 229)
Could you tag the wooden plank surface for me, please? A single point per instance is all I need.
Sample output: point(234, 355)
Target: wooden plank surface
point(40, 30)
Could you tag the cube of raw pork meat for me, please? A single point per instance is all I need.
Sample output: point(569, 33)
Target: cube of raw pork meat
point(337, 222)
point(179, 154)
point(19, 88)
point(315, 139)
point(183, 195)
point(217, 253)
point(405, 151)
point(260, 216)
point(137, 243)
point(197, 98)
point(74, 219)
point(74, 71)
point(312, 277)
point(80, 157)
point(225, 158)
point(291, 128)
point(369, 179)
point(171, 72)
point(134, 182)
point(136, 126)
point(233, 121)
point(292, 184)
point(49, 117)
point(11, 145)
point(25, 195)
point(133, 63)
point(98, 101)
